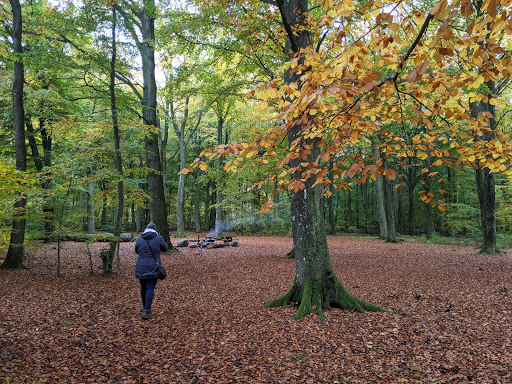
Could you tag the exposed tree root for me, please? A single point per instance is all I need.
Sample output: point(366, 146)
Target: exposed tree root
point(490, 250)
point(291, 254)
point(322, 295)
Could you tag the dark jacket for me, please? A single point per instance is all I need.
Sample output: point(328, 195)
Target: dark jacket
point(146, 263)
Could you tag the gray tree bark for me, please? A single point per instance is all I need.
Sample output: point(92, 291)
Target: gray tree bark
point(379, 195)
point(14, 257)
point(90, 208)
point(484, 178)
point(315, 284)
point(485, 182)
point(143, 18)
point(218, 208)
point(114, 245)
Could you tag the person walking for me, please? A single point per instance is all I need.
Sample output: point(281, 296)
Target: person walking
point(148, 247)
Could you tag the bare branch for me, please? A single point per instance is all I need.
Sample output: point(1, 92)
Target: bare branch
point(129, 83)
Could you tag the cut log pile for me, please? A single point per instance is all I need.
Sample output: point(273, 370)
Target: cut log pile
point(209, 242)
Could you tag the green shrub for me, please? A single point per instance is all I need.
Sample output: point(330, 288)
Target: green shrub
point(461, 220)
point(436, 238)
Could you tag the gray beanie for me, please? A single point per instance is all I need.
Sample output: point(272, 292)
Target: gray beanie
point(151, 226)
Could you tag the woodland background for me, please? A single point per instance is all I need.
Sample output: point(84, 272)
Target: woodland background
point(77, 56)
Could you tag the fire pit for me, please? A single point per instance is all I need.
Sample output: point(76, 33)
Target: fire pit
point(213, 242)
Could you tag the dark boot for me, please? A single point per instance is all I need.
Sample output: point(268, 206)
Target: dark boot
point(147, 315)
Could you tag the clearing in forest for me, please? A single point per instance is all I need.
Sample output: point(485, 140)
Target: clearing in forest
point(449, 318)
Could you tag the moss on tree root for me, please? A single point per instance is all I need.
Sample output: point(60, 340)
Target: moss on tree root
point(321, 295)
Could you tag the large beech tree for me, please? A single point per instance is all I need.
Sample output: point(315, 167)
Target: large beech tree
point(354, 71)
point(14, 257)
point(140, 21)
point(316, 283)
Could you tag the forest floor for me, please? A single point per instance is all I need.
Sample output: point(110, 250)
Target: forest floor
point(449, 317)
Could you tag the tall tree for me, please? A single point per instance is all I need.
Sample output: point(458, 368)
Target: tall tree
point(483, 175)
point(184, 138)
point(381, 209)
point(14, 257)
point(140, 21)
point(316, 283)
point(114, 245)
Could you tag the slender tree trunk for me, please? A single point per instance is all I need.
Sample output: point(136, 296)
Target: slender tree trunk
point(487, 199)
point(315, 284)
point(381, 211)
point(451, 196)
point(332, 219)
point(197, 201)
point(114, 245)
point(388, 204)
point(46, 177)
point(410, 195)
point(90, 208)
point(206, 225)
point(82, 205)
point(429, 220)
point(138, 219)
point(163, 148)
point(400, 211)
point(350, 216)
point(48, 208)
point(180, 199)
point(366, 207)
point(218, 207)
point(14, 257)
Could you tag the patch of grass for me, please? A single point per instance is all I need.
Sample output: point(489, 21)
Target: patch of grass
point(436, 238)
point(504, 241)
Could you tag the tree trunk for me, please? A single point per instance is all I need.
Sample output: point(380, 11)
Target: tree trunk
point(451, 196)
point(90, 208)
point(315, 283)
point(182, 145)
point(400, 211)
point(484, 178)
point(114, 245)
point(410, 195)
point(350, 216)
point(388, 203)
point(379, 195)
point(14, 257)
point(485, 181)
point(48, 209)
point(218, 208)
point(163, 149)
point(332, 219)
point(157, 206)
point(206, 225)
point(429, 220)
point(366, 207)
point(197, 200)
point(180, 200)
